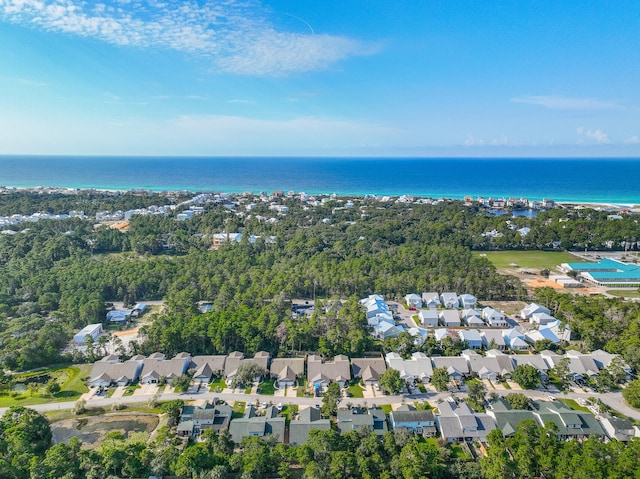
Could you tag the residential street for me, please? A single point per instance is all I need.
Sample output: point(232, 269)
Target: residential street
point(614, 400)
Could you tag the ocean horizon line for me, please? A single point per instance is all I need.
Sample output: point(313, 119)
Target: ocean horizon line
point(605, 181)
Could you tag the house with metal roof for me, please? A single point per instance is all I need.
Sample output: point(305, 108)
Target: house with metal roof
point(431, 300)
point(308, 419)
point(157, 368)
point(413, 301)
point(407, 417)
point(450, 318)
point(533, 308)
point(456, 366)
point(471, 337)
point(607, 272)
point(493, 339)
point(428, 318)
point(449, 300)
point(110, 371)
point(467, 301)
point(494, 318)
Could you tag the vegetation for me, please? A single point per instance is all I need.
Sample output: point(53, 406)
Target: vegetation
point(631, 393)
point(391, 382)
point(517, 400)
point(542, 260)
point(526, 376)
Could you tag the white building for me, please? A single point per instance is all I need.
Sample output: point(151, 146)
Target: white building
point(93, 330)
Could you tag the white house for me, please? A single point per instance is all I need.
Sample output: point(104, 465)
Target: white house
point(93, 330)
point(428, 317)
point(413, 301)
point(532, 309)
point(541, 318)
point(467, 301)
point(431, 300)
point(385, 330)
point(515, 340)
point(472, 338)
point(449, 300)
point(495, 318)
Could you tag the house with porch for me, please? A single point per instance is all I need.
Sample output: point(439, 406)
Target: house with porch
point(449, 300)
point(428, 318)
point(493, 339)
point(418, 368)
point(457, 422)
point(109, 371)
point(321, 373)
point(450, 318)
point(206, 367)
point(467, 301)
point(368, 369)
point(533, 308)
point(196, 419)
point(156, 368)
point(308, 419)
point(252, 425)
point(413, 301)
point(359, 418)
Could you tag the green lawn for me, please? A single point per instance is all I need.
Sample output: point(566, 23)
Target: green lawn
point(574, 405)
point(217, 386)
point(458, 452)
point(289, 411)
point(267, 388)
point(70, 378)
point(625, 293)
point(386, 408)
point(528, 259)
point(238, 409)
point(505, 384)
point(356, 390)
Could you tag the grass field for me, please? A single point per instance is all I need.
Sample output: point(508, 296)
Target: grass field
point(528, 259)
point(356, 390)
point(70, 378)
point(267, 388)
point(624, 293)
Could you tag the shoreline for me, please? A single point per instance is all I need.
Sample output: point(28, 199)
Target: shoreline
point(70, 190)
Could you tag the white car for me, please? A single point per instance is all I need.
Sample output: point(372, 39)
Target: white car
point(551, 398)
point(376, 386)
point(582, 402)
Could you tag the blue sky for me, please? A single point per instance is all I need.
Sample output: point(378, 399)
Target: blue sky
point(337, 77)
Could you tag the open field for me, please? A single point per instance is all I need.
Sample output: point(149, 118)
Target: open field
point(528, 259)
point(92, 430)
point(624, 293)
point(70, 378)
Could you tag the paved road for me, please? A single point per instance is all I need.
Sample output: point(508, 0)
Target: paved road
point(614, 400)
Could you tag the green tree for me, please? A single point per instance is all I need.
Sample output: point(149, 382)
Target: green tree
point(517, 400)
point(52, 387)
point(246, 373)
point(330, 399)
point(172, 409)
point(632, 393)
point(391, 382)
point(440, 379)
point(476, 392)
point(526, 376)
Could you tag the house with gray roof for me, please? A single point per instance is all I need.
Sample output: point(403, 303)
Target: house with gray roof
point(449, 300)
point(489, 367)
point(472, 318)
point(450, 318)
point(321, 373)
point(287, 371)
point(368, 369)
point(533, 308)
point(428, 318)
point(493, 339)
point(456, 366)
point(418, 368)
point(581, 366)
point(570, 424)
point(409, 418)
point(308, 419)
point(206, 367)
point(471, 337)
point(541, 318)
point(618, 428)
point(467, 301)
point(413, 301)
point(358, 418)
point(231, 363)
point(534, 360)
point(494, 318)
point(604, 359)
point(156, 368)
point(431, 300)
point(196, 419)
point(457, 422)
point(110, 371)
point(253, 425)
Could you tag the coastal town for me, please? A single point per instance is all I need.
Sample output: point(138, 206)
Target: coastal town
point(451, 364)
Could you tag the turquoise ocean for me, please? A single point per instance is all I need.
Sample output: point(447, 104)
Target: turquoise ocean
point(585, 180)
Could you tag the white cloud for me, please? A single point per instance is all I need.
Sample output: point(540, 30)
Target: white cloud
point(233, 34)
point(553, 102)
point(473, 141)
point(598, 136)
point(634, 140)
